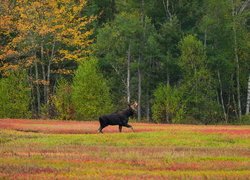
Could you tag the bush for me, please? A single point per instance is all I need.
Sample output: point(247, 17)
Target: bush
point(245, 119)
point(62, 101)
point(90, 94)
point(167, 105)
point(15, 96)
point(199, 95)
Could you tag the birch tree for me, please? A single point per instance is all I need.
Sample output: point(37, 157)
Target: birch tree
point(248, 97)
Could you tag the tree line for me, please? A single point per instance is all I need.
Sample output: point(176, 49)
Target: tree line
point(183, 61)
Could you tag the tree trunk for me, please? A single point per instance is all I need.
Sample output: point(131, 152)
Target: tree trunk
point(32, 95)
point(167, 11)
point(139, 88)
point(221, 97)
point(139, 60)
point(128, 74)
point(205, 41)
point(243, 7)
point(44, 74)
point(235, 108)
point(38, 96)
point(248, 96)
point(166, 116)
point(236, 60)
point(44, 83)
point(168, 76)
point(48, 75)
point(148, 107)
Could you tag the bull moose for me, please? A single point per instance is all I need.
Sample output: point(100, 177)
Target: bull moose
point(119, 118)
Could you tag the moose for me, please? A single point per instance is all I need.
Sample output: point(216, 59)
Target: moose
point(120, 118)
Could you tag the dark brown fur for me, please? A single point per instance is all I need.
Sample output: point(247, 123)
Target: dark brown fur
point(120, 118)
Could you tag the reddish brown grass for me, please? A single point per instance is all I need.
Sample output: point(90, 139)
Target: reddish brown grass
point(177, 152)
point(90, 127)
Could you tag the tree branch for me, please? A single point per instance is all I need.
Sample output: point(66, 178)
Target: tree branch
point(243, 6)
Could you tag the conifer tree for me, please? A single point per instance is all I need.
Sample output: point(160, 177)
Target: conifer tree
point(90, 95)
point(15, 96)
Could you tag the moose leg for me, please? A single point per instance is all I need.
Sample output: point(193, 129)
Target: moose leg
point(100, 129)
point(120, 128)
point(129, 126)
point(103, 124)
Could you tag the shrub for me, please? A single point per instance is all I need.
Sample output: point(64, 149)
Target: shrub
point(15, 95)
point(167, 105)
point(245, 119)
point(62, 101)
point(90, 94)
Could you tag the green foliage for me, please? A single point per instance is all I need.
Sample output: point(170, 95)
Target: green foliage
point(167, 105)
point(90, 94)
point(245, 119)
point(210, 65)
point(15, 96)
point(113, 42)
point(199, 95)
point(62, 100)
point(198, 88)
point(192, 55)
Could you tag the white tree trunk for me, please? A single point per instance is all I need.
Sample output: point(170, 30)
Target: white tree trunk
point(221, 98)
point(248, 97)
point(48, 72)
point(236, 60)
point(43, 73)
point(139, 90)
point(128, 74)
point(148, 110)
point(37, 90)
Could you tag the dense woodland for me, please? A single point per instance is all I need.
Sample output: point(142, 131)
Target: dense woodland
point(183, 61)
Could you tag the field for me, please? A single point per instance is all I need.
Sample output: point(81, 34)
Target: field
point(46, 149)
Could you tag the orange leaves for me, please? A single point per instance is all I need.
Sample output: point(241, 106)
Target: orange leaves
point(8, 53)
point(41, 82)
point(62, 71)
point(29, 61)
point(67, 55)
point(7, 67)
point(5, 23)
point(48, 32)
point(45, 30)
point(59, 19)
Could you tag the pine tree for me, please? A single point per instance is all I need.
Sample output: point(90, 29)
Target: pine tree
point(90, 95)
point(15, 96)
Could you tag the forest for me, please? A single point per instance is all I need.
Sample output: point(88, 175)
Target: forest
point(183, 61)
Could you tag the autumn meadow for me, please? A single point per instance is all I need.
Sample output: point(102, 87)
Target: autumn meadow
point(49, 149)
point(178, 71)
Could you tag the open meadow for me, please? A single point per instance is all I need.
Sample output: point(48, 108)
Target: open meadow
point(48, 149)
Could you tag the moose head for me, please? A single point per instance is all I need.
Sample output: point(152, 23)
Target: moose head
point(133, 106)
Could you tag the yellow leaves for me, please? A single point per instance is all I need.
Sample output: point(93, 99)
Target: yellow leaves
point(67, 55)
point(37, 4)
point(29, 61)
point(58, 27)
point(41, 82)
point(5, 23)
point(45, 30)
point(8, 67)
point(76, 9)
point(44, 22)
point(8, 53)
point(62, 71)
